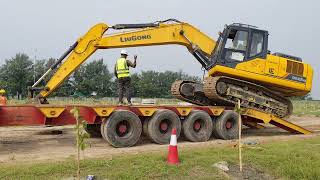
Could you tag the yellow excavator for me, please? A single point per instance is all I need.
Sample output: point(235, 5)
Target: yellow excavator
point(239, 64)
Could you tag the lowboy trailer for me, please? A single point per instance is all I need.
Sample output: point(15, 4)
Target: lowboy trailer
point(122, 126)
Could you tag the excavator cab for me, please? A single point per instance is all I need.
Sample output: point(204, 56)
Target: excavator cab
point(238, 43)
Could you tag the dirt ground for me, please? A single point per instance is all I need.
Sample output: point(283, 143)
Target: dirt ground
point(36, 144)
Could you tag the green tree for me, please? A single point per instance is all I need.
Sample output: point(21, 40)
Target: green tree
point(93, 77)
point(149, 84)
point(39, 70)
point(168, 77)
point(50, 62)
point(16, 75)
point(152, 84)
point(135, 82)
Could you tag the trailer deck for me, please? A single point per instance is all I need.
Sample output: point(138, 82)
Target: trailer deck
point(96, 115)
point(55, 115)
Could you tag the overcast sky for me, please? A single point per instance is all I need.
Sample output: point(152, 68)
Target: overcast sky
point(46, 29)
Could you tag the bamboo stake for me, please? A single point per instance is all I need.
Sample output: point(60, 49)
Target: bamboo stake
point(239, 141)
point(78, 150)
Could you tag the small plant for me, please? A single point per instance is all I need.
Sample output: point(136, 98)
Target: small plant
point(12, 157)
point(81, 136)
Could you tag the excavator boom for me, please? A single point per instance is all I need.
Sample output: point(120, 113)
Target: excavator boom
point(158, 33)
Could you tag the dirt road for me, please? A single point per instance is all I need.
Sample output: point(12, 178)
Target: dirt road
point(36, 144)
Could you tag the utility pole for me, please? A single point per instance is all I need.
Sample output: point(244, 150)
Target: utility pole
point(34, 66)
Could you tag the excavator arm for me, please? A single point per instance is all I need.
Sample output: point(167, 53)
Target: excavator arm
point(151, 34)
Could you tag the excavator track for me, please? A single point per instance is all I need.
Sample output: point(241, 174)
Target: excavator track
point(224, 90)
point(178, 87)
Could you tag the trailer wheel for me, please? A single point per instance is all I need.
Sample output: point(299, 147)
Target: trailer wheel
point(145, 127)
point(93, 130)
point(214, 132)
point(122, 129)
point(161, 125)
point(197, 127)
point(226, 126)
point(104, 121)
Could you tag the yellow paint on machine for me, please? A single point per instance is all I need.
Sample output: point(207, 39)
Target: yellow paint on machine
point(216, 110)
point(184, 111)
point(147, 111)
point(258, 70)
point(51, 112)
point(103, 111)
point(270, 119)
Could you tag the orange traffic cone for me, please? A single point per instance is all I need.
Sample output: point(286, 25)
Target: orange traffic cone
point(173, 149)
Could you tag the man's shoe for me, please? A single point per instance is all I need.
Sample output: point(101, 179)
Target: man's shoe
point(120, 104)
point(129, 104)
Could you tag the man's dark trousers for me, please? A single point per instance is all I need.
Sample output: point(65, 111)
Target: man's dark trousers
point(124, 85)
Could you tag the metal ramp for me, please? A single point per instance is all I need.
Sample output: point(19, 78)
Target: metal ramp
point(252, 117)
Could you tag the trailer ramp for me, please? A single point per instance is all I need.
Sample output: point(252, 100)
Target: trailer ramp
point(253, 117)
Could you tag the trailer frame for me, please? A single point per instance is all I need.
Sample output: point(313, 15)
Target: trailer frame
point(95, 115)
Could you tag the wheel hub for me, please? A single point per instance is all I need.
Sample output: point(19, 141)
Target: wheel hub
point(164, 126)
point(228, 124)
point(122, 128)
point(197, 125)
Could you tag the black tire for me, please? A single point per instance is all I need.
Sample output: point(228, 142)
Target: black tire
point(103, 124)
point(214, 122)
point(93, 130)
point(122, 129)
point(226, 125)
point(197, 127)
point(157, 131)
point(145, 128)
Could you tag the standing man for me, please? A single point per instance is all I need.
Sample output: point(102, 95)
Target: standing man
point(121, 71)
point(3, 98)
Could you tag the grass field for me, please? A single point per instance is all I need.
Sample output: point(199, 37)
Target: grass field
point(294, 159)
point(301, 108)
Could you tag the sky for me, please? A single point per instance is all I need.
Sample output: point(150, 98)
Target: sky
point(44, 29)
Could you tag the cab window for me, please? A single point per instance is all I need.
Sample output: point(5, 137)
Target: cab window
point(236, 45)
point(256, 44)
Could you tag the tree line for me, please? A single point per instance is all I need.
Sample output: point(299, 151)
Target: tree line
point(90, 79)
